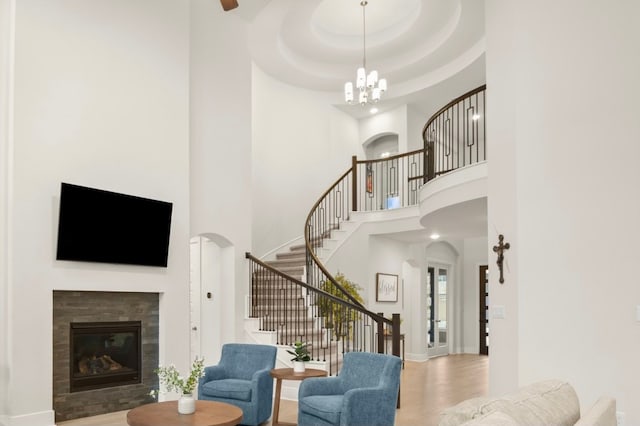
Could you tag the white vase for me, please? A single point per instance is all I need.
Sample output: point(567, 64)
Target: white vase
point(298, 366)
point(187, 404)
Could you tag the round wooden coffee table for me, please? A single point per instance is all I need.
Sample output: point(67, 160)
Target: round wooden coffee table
point(208, 413)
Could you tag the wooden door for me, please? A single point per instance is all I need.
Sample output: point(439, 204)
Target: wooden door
point(484, 310)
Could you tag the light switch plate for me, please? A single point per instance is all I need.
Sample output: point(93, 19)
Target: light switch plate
point(498, 312)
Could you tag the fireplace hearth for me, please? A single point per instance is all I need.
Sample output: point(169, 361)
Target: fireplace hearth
point(104, 354)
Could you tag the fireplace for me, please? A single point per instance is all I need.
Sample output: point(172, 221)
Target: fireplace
point(104, 354)
point(84, 309)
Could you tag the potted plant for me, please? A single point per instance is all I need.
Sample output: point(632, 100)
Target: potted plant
point(300, 356)
point(335, 316)
point(172, 381)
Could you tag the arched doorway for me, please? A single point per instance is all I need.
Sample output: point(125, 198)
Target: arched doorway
point(211, 288)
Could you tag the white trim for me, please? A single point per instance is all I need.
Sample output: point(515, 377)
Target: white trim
point(7, 77)
point(42, 418)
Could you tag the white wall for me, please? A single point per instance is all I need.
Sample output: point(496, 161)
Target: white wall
point(571, 297)
point(220, 110)
point(6, 58)
point(393, 121)
point(101, 99)
point(301, 145)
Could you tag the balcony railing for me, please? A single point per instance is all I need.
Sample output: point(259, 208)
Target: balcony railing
point(455, 136)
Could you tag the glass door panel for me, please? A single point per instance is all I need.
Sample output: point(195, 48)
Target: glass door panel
point(437, 311)
point(442, 308)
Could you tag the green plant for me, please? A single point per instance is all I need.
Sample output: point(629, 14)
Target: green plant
point(171, 379)
point(338, 316)
point(299, 352)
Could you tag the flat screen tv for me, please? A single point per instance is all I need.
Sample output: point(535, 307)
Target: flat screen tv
point(102, 226)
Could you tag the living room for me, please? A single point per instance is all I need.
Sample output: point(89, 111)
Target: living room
point(120, 96)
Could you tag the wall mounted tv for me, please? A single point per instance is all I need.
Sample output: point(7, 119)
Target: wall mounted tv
point(109, 227)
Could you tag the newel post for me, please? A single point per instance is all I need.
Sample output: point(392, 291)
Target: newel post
point(395, 339)
point(395, 342)
point(381, 342)
point(354, 183)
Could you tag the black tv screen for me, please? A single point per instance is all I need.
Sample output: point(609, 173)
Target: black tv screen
point(109, 227)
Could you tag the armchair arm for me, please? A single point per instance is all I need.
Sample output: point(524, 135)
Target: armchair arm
point(370, 406)
point(262, 383)
point(262, 392)
point(320, 386)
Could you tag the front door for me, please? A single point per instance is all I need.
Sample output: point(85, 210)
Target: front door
point(437, 312)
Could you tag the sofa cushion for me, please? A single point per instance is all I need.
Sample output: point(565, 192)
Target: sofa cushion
point(326, 407)
point(495, 418)
point(462, 412)
point(228, 388)
point(550, 402)
point(602, 413)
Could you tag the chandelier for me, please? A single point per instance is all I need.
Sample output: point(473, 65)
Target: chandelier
point(370, 88)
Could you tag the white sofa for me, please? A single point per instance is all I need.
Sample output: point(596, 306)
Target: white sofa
point(548, 403)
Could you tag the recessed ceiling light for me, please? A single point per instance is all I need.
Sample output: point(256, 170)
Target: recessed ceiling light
point(475, 117)
point(373, 110)
point(384, 155)
point(434, 236)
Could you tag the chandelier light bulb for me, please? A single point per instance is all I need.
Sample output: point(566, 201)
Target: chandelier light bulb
point(348, 92)
point(360, 78)
point(375, 94)
point(372, 79)
point(362, 98)
point(382, 85)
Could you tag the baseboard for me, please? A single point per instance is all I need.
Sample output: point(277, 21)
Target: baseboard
point(43, 418)
point(421, 357)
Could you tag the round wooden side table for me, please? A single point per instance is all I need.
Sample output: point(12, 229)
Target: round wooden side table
point(281, 374)
point(208, 413)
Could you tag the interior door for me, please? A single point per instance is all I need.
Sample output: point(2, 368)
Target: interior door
point(437, 311)
point(483, 318)
point(195, 278)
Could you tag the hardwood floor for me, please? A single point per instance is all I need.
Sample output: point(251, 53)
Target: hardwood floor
point(426, 389)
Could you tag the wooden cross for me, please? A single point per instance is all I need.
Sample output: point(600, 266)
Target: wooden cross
point(500, 248)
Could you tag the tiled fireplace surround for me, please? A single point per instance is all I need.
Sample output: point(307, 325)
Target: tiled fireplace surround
point(97, 306)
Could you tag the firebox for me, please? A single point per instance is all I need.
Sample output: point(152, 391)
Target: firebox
point(104, 354)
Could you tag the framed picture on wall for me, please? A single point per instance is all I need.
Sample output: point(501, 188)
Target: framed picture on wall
point(386, 287)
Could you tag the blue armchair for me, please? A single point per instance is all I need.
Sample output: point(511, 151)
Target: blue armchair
point(242, 378)
point(365, 392)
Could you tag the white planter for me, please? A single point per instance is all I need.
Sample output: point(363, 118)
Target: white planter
point(298, 366)
point(187, 404)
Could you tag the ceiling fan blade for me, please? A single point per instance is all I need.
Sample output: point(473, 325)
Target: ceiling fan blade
point(229, 4)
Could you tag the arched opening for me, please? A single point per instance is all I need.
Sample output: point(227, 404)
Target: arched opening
point(381, 146)
point(211, 288)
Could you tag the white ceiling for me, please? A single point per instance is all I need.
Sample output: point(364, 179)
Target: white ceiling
point(430, 51)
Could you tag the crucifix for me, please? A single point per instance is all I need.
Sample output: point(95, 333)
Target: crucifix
point(500, 248)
